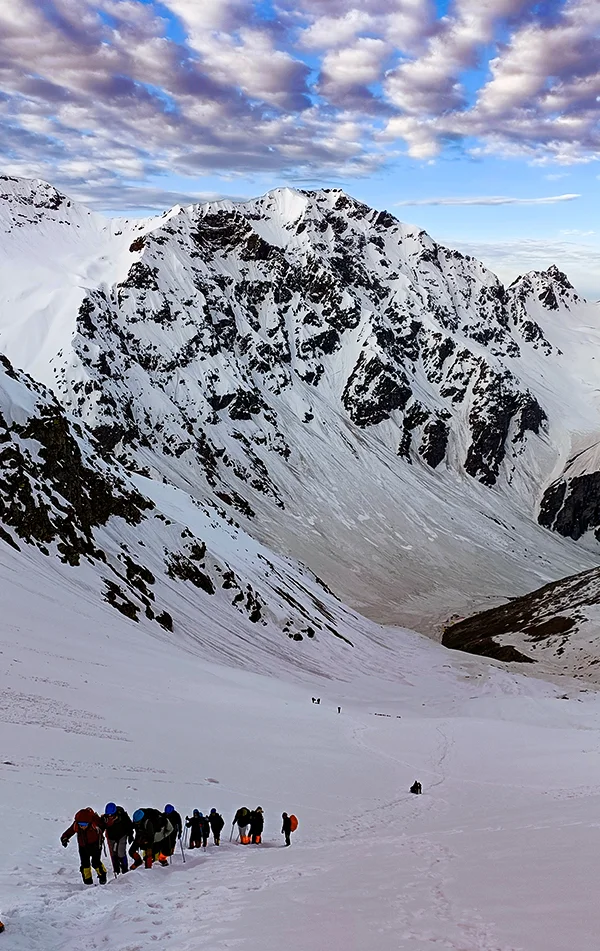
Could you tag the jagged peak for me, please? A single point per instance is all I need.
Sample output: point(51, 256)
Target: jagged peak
point(536, 277)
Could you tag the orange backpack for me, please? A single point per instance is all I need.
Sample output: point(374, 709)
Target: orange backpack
point(293, 823)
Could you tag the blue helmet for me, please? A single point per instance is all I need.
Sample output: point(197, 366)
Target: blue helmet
point(138, 815)
point(201, 814)
point(196, 813)
point(169, 808)
point(212, 812)
point(110, 809)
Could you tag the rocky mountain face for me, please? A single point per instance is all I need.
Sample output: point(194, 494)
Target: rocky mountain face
point(229, 314)
point(150, 553)
point(351, 393)
point(556, 625)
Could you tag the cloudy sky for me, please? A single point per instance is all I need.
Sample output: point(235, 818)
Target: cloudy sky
point(476, 119)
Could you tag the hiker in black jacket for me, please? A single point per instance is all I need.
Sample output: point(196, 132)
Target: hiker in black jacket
point(286, 827)
point(257, 824)
point(175, 820)
point(195, 826)
point(152, 834)
point(216, 823)
point(119, 828)
point(205, 828)
point(242, 820)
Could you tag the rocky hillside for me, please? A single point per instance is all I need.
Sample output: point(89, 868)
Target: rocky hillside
point(146, 548)
point(353, 394)
point(557, 625)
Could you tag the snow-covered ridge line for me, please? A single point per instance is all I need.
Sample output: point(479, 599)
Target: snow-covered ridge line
point(556, 625)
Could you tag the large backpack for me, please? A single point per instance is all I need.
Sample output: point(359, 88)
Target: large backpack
point(242, 816)
point(293, 823)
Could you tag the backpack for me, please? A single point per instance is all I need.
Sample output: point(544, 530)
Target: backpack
point(242, 816)
point(293, 823)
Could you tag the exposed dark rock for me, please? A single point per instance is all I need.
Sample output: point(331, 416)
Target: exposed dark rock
point(179, 566)
point(434, 442)
point(571, 508)
point(374, 390)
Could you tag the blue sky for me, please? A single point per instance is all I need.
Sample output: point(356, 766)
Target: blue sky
point(434, 111)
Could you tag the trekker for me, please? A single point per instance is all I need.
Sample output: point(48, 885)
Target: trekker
point(175, 820)
point(205, 828)
point(152, 835)
point(257, 824)
point(88, 827)
point(416, 788)
point(216, 823)
point(195, 826)
point(288, 825)
point(1, 927)
point(119, 828)
point(242, 820)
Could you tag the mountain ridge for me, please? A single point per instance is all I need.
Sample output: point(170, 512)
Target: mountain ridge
point(334, 380)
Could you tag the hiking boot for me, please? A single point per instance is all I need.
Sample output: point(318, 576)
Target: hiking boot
point(101, 873)
point(86, 874)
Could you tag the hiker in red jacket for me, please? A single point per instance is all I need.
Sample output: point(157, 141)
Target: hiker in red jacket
point(89, 829)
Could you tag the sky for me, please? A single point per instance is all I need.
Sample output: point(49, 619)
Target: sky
point(478, 120)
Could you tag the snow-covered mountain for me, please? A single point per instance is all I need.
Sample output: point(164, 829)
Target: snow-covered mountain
point(148, 550)
point(352, 394)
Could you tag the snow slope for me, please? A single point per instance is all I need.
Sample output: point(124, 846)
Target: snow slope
point(148, 549)
point(498, 854)
point(352, 394)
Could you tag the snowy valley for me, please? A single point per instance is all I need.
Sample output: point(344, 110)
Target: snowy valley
point(247, 450)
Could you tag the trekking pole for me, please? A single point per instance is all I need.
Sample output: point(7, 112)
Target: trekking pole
point(108, 854)
point(182, 852)
point(231, 834)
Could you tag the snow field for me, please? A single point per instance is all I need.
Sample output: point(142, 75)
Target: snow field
point(499, 854)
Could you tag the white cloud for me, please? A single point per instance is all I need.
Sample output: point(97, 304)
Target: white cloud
point(509, 259)
point(490, 200)
point(101, 85)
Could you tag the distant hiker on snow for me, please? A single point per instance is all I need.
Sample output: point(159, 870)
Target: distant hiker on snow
point(257, 824)
point(289, 825)
point(194, 824)
point(216, 823)
point(416, 787)
point(242, 820)
point(153, 832)
point(119, 828)
point(175, 820)
point(89, 829)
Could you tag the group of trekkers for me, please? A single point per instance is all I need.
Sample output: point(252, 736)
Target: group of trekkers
point(154, 835)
